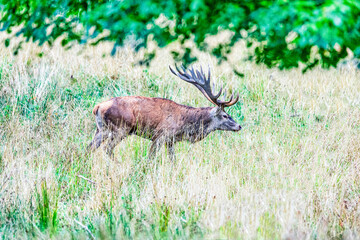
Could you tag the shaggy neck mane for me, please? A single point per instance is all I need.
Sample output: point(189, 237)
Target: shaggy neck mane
point(197, 115)
point(197, 119)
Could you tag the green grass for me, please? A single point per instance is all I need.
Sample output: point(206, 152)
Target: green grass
point(291, 172)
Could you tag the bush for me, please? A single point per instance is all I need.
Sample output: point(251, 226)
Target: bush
point(285, 32)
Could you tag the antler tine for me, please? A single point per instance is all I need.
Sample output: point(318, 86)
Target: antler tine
point(198, 74)
point(177, 69)
point(172, 70)
point(233, 101)
point(231, 98)
point(192, 72)
point(203, 75)
point(219, 93)
point(209, 74)
point(186, 74)
point(183, 75)
point(183, 67)
point(224, 95)
point(178, 73)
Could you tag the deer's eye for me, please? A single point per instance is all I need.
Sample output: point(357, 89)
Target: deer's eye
point(225, 116)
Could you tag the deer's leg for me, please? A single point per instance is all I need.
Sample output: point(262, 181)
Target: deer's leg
point(155, 146)
point(97, 140)
point(114, 140)
point(171, 151)
point(101, 133)
point(93, 142)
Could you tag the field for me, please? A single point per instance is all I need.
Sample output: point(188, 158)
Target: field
point(292, 171)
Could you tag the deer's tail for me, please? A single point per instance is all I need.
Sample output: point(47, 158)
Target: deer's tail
point(96, 108)
point(98, 118)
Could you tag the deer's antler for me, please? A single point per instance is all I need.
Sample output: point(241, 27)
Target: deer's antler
point(199, 80)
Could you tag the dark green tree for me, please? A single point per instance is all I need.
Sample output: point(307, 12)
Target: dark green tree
point(279, 33)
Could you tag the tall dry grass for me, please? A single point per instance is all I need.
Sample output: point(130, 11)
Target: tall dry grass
point(292, 172)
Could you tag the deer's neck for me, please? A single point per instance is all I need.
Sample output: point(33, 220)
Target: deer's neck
point(198, 124)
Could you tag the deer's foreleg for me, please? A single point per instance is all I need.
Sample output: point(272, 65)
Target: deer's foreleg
point(171, 150)
point(155, 146)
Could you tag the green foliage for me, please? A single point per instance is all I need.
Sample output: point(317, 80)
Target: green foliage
point(285, 33)
point(47, 213)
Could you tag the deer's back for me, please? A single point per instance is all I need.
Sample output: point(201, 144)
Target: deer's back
point(144, 112)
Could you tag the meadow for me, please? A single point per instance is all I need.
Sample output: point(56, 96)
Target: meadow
point(292, 172)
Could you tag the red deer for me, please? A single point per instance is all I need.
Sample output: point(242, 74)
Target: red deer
point(161, 120)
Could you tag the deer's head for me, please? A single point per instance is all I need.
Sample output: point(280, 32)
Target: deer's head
point(220, 120)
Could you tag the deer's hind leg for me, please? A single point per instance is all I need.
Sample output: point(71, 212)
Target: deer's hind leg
point(99, 137)
point(101, 133)
point(115, 138)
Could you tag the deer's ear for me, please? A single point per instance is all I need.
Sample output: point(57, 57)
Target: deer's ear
point(215, 111)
